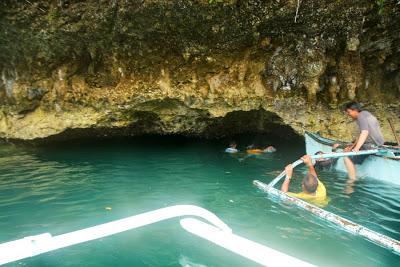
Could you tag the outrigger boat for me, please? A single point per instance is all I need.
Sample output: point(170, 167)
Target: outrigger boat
point(384, 166)
point(341, 222)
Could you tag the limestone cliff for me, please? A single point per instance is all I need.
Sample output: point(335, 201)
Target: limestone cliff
point(206, 68)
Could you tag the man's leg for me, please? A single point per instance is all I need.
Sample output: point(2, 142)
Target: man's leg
point(351, 169)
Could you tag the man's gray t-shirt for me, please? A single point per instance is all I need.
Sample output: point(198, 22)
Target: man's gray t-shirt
point(367, 121)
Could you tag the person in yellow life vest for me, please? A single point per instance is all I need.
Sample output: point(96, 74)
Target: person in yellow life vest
point(313, 189)
point(257, 151)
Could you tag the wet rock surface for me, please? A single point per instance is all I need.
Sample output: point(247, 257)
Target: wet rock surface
point(203, 68)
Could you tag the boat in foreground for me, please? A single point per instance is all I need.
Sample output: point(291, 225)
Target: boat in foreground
point(211, 228)
point(381, 167)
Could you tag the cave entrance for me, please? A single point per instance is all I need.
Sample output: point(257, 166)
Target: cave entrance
point(256, 123)
point(252, 126)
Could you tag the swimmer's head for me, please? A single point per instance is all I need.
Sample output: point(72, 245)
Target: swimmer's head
point(309, 183)
point(270, 149)
point(232, 144)
point(319, 153)
point(250, 146)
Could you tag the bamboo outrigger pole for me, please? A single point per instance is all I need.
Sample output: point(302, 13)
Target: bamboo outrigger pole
point(345, 224)
point(325, 156)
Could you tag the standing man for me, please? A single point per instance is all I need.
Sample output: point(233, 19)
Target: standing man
point(370, 136)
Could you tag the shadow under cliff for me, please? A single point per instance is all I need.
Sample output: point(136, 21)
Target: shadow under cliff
point(253, 127)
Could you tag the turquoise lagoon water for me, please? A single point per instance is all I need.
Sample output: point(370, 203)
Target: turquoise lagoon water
point(66, 187)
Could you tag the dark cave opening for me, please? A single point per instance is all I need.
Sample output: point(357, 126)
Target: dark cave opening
point(253, 127)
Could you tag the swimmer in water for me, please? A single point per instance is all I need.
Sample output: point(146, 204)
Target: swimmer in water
point(324, 164)
point(252, 150)
point(312, 188)
point(232, 148)
point(269, 149)
point(258, 151)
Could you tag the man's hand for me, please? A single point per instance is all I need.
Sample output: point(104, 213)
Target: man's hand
point(348, 148)
point(335, 146)
point(289, 170)
point(356, 149)
point(307, 160)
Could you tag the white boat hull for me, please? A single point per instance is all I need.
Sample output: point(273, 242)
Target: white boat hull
point(377, 167)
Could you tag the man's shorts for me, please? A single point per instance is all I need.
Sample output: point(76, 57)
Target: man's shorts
point(359, 159)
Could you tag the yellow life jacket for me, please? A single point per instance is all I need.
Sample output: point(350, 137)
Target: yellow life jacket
point(254, 151)
point(319, 198)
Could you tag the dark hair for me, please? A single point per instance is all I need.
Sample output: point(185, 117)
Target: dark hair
point(233, 143)
point(310, 183)
point(353, 106)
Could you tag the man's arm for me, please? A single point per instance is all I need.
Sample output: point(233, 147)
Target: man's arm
point(311, 169)
point(350, 147)
point(361, 140)
point(362, 122)
point(289, 173)
point(308, 163)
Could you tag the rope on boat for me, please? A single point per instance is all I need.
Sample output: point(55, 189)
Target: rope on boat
point(345, 224)
point(217, 231)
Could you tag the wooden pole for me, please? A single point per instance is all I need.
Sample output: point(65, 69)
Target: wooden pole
point(394, 131)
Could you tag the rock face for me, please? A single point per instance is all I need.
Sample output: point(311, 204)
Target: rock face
point(204, 68)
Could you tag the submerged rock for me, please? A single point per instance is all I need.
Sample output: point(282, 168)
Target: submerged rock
point(206, 68)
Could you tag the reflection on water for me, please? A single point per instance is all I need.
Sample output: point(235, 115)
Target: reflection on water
point(65, 188)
